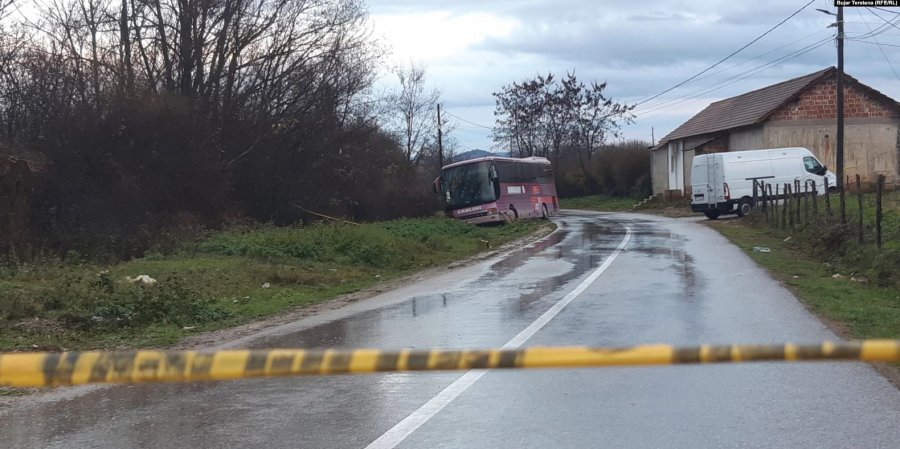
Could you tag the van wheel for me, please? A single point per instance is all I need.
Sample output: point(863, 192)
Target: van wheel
point(743, 207)
point(711, 214)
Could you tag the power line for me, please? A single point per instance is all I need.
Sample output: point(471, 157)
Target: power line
point(880, 48)
point(479, 131)
point(889, 22)
point(885, 10)
point(755, 71)
point(738, 78)
point(671, 100)
point(729, 56)
point(466, 121)
point(881, 29)
point(874, 43)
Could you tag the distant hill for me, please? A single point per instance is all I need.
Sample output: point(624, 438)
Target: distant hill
point(473, 154)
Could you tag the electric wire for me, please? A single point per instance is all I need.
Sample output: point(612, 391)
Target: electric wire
point(727, 57)
point(880, 48)
point(738, 78)
point(466, 121)
point(674, 100)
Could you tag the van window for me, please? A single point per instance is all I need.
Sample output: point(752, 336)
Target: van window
point(812, 165)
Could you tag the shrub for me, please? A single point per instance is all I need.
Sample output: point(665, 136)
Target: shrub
point(96, 302)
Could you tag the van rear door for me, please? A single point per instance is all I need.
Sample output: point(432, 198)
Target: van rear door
point(699, 180)
point(705, 179)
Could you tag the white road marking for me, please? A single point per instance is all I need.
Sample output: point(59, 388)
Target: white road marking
point(423, 414)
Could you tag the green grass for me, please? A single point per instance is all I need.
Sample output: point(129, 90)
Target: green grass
point(219, 282)
point(657, 205)
point(862, 310)
point(891, 212)
point(599, 203)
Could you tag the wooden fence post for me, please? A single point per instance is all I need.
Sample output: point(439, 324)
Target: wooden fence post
point(773, 202)
point(755, 194)
point(787, 207)
point(815, 198)
point(805, 203)
point(778, 217)
point(827, 199)
point(860, 201)
point(879, 192)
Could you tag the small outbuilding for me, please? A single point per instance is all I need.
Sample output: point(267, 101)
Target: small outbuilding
point(800, 112)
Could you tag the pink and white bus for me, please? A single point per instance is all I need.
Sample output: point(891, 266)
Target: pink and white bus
point(498, 189)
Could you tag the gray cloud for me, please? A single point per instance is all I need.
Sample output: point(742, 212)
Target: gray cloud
point(642, 48)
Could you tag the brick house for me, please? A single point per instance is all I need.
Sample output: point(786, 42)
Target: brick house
point(800, 112)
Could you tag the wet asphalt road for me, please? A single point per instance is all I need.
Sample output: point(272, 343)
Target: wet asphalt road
point(676, 282)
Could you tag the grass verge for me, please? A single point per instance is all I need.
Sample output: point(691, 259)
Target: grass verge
point(832, 290)
point(227, 279)
point(599, 203)
point(657, 205)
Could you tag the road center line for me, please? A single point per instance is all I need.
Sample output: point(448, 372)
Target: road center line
point(423, 414)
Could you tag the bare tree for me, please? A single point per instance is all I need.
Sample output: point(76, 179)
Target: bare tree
point(543, 117)
point(148, 108)
point(522, 113)
point(5, 6)
point(415, 107)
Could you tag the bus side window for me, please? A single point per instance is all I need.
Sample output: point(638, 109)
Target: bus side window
point(546, 175)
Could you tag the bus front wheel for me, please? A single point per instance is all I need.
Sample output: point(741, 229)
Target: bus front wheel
point(514, 213)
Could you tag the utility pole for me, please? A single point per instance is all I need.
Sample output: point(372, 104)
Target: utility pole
point(840, 111)
point(440, 139)
point(652, 137)
point(439, 188)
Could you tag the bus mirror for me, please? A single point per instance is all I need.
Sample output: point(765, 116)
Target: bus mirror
point(435, 184)
point(492, 173)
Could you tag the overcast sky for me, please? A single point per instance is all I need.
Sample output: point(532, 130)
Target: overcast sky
point(471, 48)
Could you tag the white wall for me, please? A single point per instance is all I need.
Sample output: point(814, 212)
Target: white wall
point(676, 165)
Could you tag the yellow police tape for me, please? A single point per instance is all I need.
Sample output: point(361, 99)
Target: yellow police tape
point(74, 368)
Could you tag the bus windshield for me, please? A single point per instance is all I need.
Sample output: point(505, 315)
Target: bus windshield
point(468, 185)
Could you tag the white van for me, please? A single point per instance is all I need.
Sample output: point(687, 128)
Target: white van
point(722, 183)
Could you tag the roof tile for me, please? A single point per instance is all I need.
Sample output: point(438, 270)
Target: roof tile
point(743, 110)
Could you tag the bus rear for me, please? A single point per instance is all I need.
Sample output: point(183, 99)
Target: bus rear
point(498, 189)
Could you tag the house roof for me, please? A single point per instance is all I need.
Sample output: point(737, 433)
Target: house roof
point(756, 106)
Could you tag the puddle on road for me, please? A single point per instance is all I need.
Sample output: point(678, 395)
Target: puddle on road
point(518, 258)
point(510, 292)
point(507, 296)
point(516, 287)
